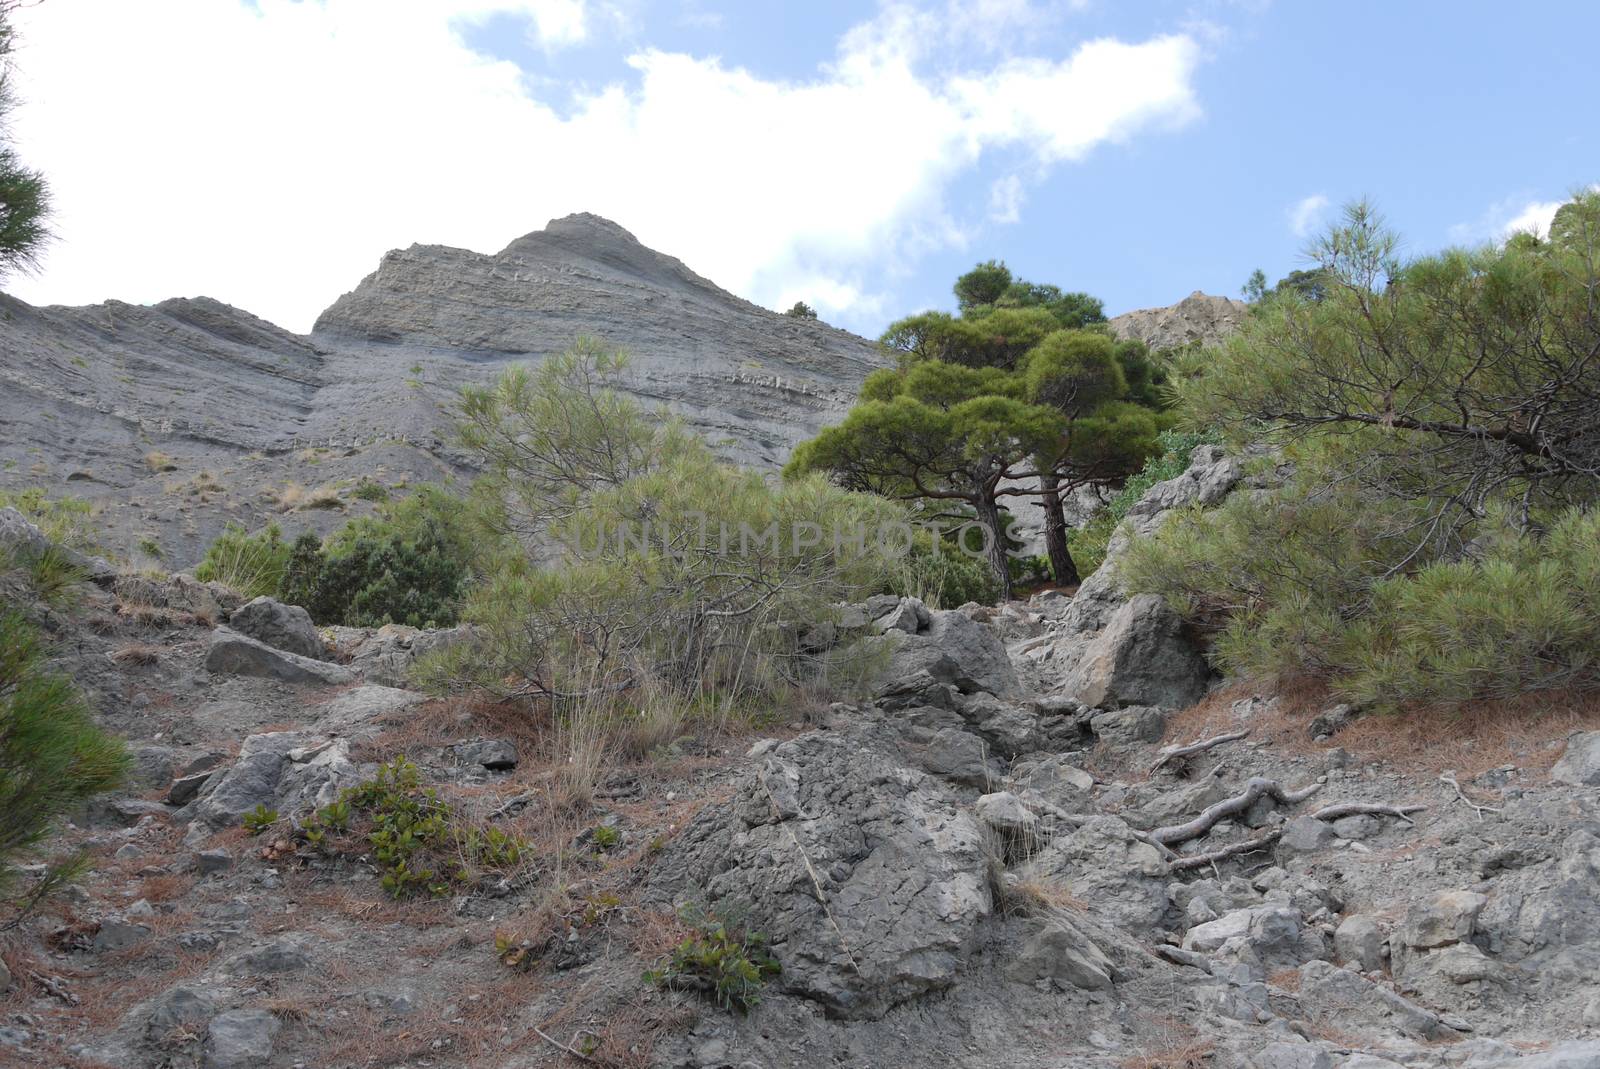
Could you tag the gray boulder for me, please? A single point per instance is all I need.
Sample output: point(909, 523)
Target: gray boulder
point(1359, 941)
point(1143, 656)
point(1060, 951)
point(231, 653)
point(1345, 995)
point(954, 649)
point(283, 627)
point(289, 771)
point(180, 1009)
point(240, 1038)
point(1126, 729)
point(1580, 764)
point(1301, 1055)
point(902, 870)
point(1445, 918)
point(1105, 862)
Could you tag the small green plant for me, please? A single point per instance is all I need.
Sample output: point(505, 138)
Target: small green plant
point(260, 819)
point(370, 490)
point(52, 756)
point(418, 842)
point(727, 963)
point(606, 837)
point(150, 547)
point(252, 564)
point(67, 521)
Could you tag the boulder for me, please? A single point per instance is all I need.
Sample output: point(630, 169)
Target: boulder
point(231, 653)
point(387, 656)
point(954, 649)
point(1301, 1055)
point(904, 873)
point(1264, 937)
point(1345, 996)
point(1143, 656)
point(238, 1039)
point(1444, 919)
point(1105, 862)
point(289, 771)
point(1126, 729)
point(180, 1009)
point(283, 627)
point(1580, 763)
point(1060, 951)
point(1306, 835)
point(1359, 941)
point(496, 755)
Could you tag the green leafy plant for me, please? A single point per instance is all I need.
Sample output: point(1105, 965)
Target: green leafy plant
point(260, 819)
point(606, 837)
point(252, 564)
point(1089, 541)
point(52, 756)
point(729, 964)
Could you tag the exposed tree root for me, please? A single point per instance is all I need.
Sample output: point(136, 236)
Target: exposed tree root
point(1258, 787)
point(1211, 857)
point(1172, 753)
point(1351, 809)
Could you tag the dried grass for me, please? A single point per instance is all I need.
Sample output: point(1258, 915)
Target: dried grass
point(138, 654)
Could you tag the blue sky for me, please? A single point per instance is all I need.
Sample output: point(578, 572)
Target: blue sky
point(858, 156)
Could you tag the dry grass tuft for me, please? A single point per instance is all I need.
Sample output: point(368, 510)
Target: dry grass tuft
point(159, 462)
point(139, 654)
point(1187, 1054)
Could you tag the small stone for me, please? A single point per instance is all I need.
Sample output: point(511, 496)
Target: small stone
point(128, 852)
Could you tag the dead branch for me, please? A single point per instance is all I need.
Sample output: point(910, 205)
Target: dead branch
point(1172, 753)
point(1257, 788)
point(556, 1043)
point(1450, 778)
point(1351, 809)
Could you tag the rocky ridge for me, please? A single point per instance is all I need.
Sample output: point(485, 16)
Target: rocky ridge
point(181, 415)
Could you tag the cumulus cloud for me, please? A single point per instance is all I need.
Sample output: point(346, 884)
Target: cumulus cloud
point(1510, 216)
point(268, 152)
point(1306, 215)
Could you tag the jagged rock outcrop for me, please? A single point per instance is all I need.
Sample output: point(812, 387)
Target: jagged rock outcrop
point(177, 415)
point(1197, 319)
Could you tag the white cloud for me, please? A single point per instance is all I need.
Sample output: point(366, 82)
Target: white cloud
point(1510, 216)
point(1306, 215)
point(1005, 199)
point(268, 153)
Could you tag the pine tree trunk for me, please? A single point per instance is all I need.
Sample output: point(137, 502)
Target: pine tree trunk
point(1062, 565)
point(989, 515)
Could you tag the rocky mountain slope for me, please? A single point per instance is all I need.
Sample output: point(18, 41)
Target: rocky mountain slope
point(1046, 837)
point(182, 415)
point(1197, 319)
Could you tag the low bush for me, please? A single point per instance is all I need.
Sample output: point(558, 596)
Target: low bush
point(66, 521)
point(252, 564)
point(726, 962)
point(421, 845)
point(52, 755)
point(1288, 584)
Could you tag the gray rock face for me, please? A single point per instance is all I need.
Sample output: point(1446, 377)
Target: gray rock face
point(288, 771)
point(1580, 764)
point(97, 388)
point(954, 649)
point(903, 870)
point(231, 653)
point(1197, 319)
point(1060, 951)
point(1143, 657)
point(283, 627)
point(1446, 918)
point(241, 1038)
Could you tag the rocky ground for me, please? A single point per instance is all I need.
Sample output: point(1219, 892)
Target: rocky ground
point(1045, 837)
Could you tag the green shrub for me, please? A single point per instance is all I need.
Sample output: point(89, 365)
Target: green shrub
point(252, 564)
point(52, 756)
point(728, 963)
point(939, 573)
point(1289, 584)
point(420, 844)
point(410, 564)
point(66, 521)
point(1089, 541)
